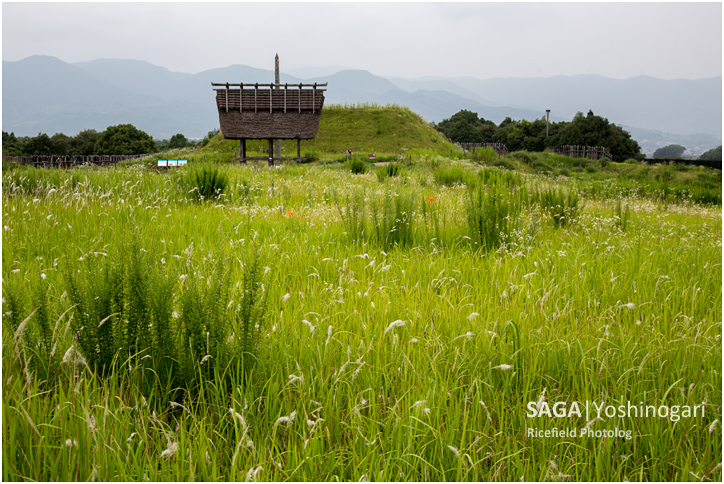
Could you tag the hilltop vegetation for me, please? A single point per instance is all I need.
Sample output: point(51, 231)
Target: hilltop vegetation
point(590, 130)
point(363, 128)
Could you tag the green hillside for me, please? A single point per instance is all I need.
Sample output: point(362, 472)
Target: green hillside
point(361, 128)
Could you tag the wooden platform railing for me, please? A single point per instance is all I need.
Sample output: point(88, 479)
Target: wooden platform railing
point(271, 97)
point(590, 152)
point(68, 161)
point(499, 148)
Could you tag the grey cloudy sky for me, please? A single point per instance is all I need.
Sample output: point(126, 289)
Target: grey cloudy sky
point(483, 40)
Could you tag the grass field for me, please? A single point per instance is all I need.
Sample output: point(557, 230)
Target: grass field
point(408, 352)
point(223, 322)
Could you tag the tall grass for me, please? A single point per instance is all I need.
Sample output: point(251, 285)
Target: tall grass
point(365, 357)
point(561, 206)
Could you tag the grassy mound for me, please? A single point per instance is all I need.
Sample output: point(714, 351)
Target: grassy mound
point(363, 129)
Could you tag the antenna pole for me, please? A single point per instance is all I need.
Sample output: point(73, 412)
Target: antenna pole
point(278, 144)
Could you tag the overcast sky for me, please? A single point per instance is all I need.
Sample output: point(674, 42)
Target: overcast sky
point(483, 40)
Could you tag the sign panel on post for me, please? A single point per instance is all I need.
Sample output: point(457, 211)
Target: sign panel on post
point(162, 162)
point(371, 156)
point(172, 162)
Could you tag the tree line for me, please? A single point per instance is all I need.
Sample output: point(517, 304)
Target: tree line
point(123, 139)
point(589, 130)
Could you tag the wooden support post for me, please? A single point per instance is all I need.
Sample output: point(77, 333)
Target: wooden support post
point(227, 97)
point(241, 95)
point(271, 152)
point(299, 150)
point(242, 150)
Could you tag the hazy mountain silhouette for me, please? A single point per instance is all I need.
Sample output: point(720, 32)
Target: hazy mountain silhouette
point(45, 94)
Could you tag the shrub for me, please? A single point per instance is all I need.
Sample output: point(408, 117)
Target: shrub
point(393, 219)
point(622, 215)
point(523, 156)
point(604, 162)
point(205, 182)
point(449, 176)
point(542, 167)
point(501, 163)
point(358, 166)
point(310, 156)
point(591, 167)
point(130, 313)
point(387, 171)
point(560, 206)
point(486, 154)
point(489, 217)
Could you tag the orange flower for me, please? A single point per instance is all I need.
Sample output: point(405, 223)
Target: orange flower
point(432, 198)
point(290, 213)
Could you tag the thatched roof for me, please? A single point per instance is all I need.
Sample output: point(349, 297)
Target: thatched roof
point(269, 111)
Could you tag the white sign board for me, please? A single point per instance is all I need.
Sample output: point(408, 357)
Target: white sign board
point(162, 162)
point(172, 162)
point(181, 162)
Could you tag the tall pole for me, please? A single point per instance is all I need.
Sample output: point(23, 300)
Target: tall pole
point(548, 113)
point(278, 144)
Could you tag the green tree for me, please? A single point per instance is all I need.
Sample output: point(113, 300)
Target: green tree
point(592, 130)
point(178, 141)
point(462, 127)
point(12, 146)
point(712, 155)
point(60, 144)
point(38, 145)
point(84, 143)
point(669, 151)
point(124, 139)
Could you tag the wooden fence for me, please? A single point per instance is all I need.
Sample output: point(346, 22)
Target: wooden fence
point(590, 152)
point(499, 148)
point(69, 161)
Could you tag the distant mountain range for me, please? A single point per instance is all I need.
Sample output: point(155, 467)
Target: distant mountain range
point(45, 94)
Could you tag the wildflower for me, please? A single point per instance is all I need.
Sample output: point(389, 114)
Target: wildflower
point(290, 213)
point(473, 316)
point(71, 443)
point(42, 275)
point(454, 451)
point(713, 425)
point(629, 305)
point(503, 367)
point(431, 199)
point(395, 324)
point(286, 297)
